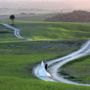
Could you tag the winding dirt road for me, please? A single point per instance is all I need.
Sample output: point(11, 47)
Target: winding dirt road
point(52, 73)
point(16, 31)
point(56, 64)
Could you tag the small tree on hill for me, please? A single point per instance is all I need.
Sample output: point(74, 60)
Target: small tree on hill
point(12, 18)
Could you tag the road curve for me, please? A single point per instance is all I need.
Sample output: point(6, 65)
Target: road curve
point(56, 64)
point(16, 31)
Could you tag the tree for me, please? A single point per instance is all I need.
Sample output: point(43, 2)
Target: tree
point(12, 17)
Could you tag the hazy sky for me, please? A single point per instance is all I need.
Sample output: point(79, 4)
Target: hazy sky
point(47, 4)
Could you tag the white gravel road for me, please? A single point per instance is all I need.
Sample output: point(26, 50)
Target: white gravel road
point(16, 30)
point(56, 64)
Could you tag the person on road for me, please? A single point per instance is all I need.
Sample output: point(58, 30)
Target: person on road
point(46, 66)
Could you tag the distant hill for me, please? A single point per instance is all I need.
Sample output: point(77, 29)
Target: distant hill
point(75, 16)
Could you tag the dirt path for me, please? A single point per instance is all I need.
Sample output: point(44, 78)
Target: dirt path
point(56, 64)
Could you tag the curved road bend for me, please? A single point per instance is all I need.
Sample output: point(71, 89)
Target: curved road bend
point(56, 64)
point(16, 30)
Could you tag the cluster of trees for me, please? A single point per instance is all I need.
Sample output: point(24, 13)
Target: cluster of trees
point(12, 18)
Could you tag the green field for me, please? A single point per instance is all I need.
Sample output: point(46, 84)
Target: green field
point(7, 35)
point(40, 30)
point(17, 57)
point(54, 31)
point(78, 71)
point(16, 66)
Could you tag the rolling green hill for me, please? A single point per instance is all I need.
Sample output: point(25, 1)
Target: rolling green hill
point(6, 35)
point(78, 70)
point(51, 30)
point(18, 57)
point(54, 31)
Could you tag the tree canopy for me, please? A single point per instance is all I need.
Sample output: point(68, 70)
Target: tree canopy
point(12, 17)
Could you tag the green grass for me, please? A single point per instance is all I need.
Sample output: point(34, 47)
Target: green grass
point(50, 31)
point(18, 58)
point(33, 84)
point(54, 31)
point(47, 47)
point(6, 35)
point(78, 70)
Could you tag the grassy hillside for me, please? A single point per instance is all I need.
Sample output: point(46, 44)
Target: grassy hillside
point(18, 57)
point(75, 16)
point(50, 31)
point(6, 35)
point(16, 66)
point(78, 71)
point(54, 31)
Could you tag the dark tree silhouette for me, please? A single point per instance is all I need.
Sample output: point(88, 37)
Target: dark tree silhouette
point(12, 17)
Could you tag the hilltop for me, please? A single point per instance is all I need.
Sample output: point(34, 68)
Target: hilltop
point(75, 16)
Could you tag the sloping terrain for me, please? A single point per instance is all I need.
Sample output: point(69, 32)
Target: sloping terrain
point(75, 16)
point(54, 31)
point(77, 70)
point(6, 35)
point(18, 57)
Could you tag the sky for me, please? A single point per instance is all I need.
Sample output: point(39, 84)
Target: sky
point(47, 4)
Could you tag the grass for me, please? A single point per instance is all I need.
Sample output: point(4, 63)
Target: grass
point(78, 70)
point(28, 17)
point(6, 35)
point(47, 47)
point(54, 31)
point(18, 57)
point(33, 84)
point(16, 66)
point(51, 31)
